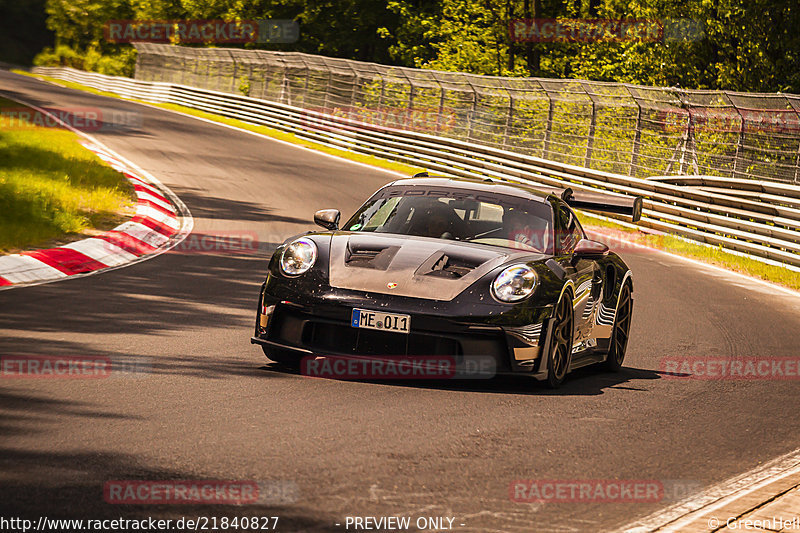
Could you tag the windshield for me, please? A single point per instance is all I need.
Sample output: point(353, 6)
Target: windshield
point(496, 220)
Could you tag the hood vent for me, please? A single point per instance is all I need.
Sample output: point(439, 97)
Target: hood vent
point(453, 264)
point(447, 267)
point(375, 257)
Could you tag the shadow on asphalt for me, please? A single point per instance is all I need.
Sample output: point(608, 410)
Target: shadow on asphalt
point(155, 296)
point(20, 409)
point(70, 485)
point(585, 381)
point(205, 206)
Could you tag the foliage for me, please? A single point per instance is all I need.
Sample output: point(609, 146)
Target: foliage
point(745, 45)
point(244, 85)
point(121, 63)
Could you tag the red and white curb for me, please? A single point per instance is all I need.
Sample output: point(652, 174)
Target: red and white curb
point(160, 222)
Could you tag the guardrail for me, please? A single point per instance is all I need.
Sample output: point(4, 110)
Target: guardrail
point(757, 218)
point(623, 128)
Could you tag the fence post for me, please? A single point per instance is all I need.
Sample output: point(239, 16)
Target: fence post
point(410, 110)
point(305, 85)
point(637, 134)
point(471, 115)
point(687, 134)
point(797, 161)
point(797, 165)
point(234, 88)
point(353, 91)
point(509, 117)
point(590, 140)
point(284, 96)
point(327, 91)
point(739, 141)
point(549, 128)
point(441, 105)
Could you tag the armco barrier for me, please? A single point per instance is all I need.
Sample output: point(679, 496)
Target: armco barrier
point(753, 217)
point(623, 128)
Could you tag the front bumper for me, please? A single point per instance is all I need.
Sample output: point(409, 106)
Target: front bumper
point(321, 326)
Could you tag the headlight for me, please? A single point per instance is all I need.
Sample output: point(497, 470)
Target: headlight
point(515, 283)
point(298, 256)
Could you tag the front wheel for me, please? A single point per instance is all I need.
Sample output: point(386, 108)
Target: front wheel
point(618, 344)
point(560, 355)
point(283, 357)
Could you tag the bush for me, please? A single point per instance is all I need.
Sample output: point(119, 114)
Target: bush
point(121, 63)
point(62, 56)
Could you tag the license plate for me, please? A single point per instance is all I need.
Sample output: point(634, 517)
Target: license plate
point(364, 318)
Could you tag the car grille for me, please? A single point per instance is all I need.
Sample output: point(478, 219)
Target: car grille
point(294, 328)
point(324, 336)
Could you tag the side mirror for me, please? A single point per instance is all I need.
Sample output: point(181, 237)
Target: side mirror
point(586, 249)
point(328, 219)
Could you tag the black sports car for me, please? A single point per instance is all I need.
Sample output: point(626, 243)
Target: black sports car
point(453, 267)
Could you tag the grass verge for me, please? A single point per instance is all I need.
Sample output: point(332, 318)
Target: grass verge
point(52, 189)
point(669, 243)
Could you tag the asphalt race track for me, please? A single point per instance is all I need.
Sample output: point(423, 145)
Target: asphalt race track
point(212, 407)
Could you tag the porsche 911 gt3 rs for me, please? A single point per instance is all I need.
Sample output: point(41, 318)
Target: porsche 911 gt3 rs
point(433, 266)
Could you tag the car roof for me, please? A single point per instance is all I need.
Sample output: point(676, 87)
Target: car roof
point(489, 185)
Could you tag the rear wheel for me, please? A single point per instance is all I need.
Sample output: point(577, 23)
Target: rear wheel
point(284, 357)
point(619, 333)
point(561, 346)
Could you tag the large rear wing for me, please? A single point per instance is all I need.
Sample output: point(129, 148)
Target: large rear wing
point(605, 203)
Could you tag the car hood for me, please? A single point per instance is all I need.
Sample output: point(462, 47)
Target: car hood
point(417, 267)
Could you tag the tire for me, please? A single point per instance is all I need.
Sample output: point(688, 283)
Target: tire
point(283, 357)
point(618, 344)
point(560, 354)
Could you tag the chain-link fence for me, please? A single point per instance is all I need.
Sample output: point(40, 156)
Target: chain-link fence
point(626, 129)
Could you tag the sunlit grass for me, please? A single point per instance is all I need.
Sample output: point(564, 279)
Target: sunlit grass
point(51, 188)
